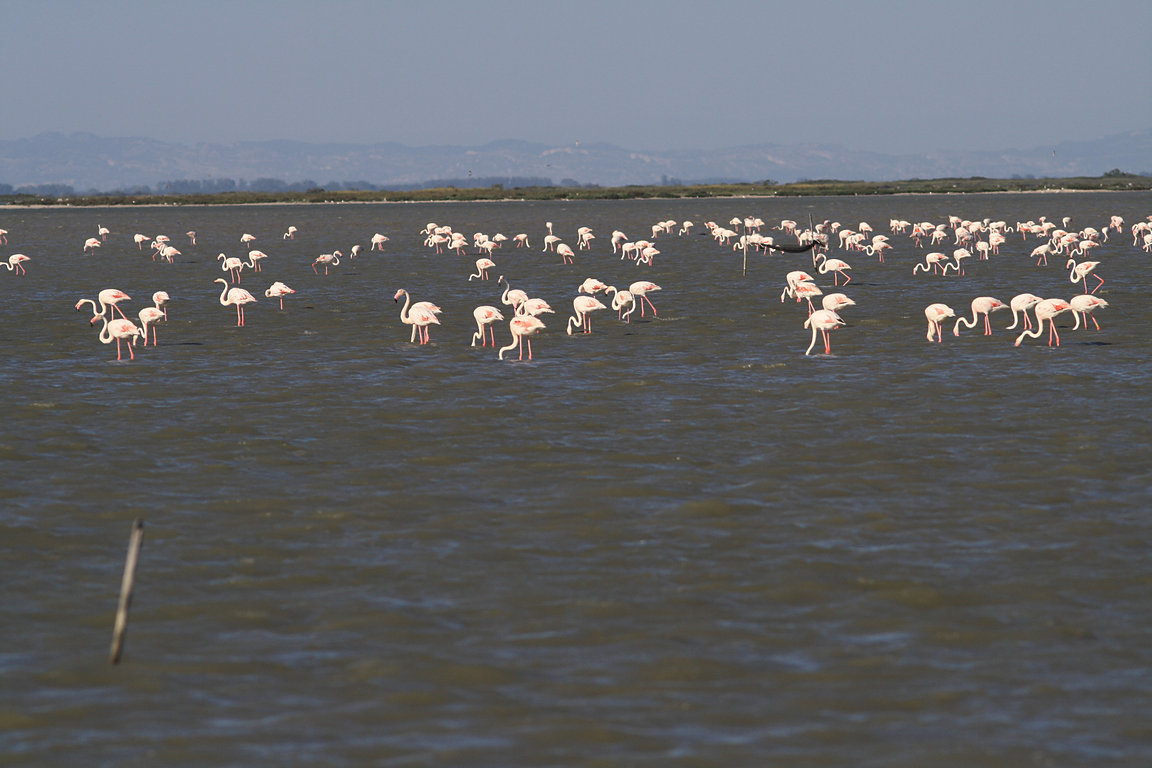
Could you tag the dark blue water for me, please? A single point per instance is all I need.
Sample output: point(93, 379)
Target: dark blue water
point(678, 541)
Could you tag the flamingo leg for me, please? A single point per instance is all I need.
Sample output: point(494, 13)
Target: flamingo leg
point(1097, 285)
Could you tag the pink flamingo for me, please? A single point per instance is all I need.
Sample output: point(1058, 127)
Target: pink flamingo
point(1081, 271)
point(109, 297)
point(523, 327)
point(419, 315)
point(482, 267)
point(640, 290)
point(793, 279)
point(584, 306)
point(245, 239)
point(122, 329)
point(1085, 305)
point(1047, 309)
point(191, 237)
point(622, 300)
point(836, 302)
point(161, 299)
point(932, 262)
point(378, 241)
point(981, 305)
point(290, 233)
point(254, 259)
point(232, 265)
point(822, 320)
point(937, 314)
point(512, 297)
point(591, 286)
point(149, 316)
point(237, 297)
point(15, 263)
point(327, 259)
point(1020, 304)
point(485, 317)
point(836, 266)
point(566, 254)
point(278, 290)
point(534, 308)
point(91, 244)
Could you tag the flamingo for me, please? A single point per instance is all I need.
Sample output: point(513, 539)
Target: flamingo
point(1081, 271)
point(622, 300)
point(149, 316)
point(482, 266)
point(640, 290)
point(836, 266)
point(103, 232)
point(122, 329)
point(523, 327)
point(327, 259)
point(792, 279)
point(931, 262)
point(378, 241)
point(191, 235)
point(1047, 309)
point(235, 296)
point(278, 290)
point(584, 306)
point(566, 254)
point(646, 255)
point(168, 252)
point(140, 240)
point(511, 297)
point(534, 307)
point(550, 241)
point(232, 265)
point(246, 238)
point(485, 317)
point(3, 237)
point(1084, 305)
point(522, 240)
point(419, 316)
point(109, 297)
point(591, 286)
point(936, 314)
point(1020, 304)
point(15, 263)
point(836, 302)
point(981, 305)
point(91, 244)
point(290, 234)
point(822, 320)
point(807, 291)
point(254, 259)
point(958, 256)
point(1041, 252)
point(161, 299)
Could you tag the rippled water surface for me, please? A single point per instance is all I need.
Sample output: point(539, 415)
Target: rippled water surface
point(679, 541)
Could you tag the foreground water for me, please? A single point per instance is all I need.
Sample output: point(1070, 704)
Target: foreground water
point(678, 541)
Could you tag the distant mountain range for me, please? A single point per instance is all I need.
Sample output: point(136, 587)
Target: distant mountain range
point(85, 163)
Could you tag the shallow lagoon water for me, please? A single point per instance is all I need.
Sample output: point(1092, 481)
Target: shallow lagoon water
point(678, 541)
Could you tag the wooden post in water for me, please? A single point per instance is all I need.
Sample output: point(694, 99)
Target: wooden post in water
point(121, 626)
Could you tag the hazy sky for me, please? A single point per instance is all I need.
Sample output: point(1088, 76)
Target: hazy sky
point(886, 76)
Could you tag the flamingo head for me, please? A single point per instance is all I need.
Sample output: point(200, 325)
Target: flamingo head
point(399, 293)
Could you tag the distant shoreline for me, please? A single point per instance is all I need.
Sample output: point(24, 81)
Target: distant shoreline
point(1110, 182)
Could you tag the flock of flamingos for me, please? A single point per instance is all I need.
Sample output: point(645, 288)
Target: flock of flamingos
point(965, 239)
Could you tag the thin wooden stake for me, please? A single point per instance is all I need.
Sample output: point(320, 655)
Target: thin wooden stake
point(126, 584)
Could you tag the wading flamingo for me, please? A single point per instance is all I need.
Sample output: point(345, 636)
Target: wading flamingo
point(290, 234)
point(120, 330)
point(1047, 309)
point(237, 297)
point(512, 297)
point(419, 315)
point(327, 259)
point(1020, 304)
point(278, 290)
point(254, 259)
point(1083, 306)
point(981, 305)
point(931, 263)
point(91, 244)
point(640, 290)
point(622, 300)
point(482, 267)
point(534, 308)
point(15, 263)
point(232, 265)
point(836, 266)
point(523, 327)
point(584, 306)
point(485, 317)
point(937, 314)
point(378, 241)
point(822, 320)
point(1081, 271)
point(566, 254)
point(161, 299)
point(107, 298)
point(149, 316)
point(836, 302)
